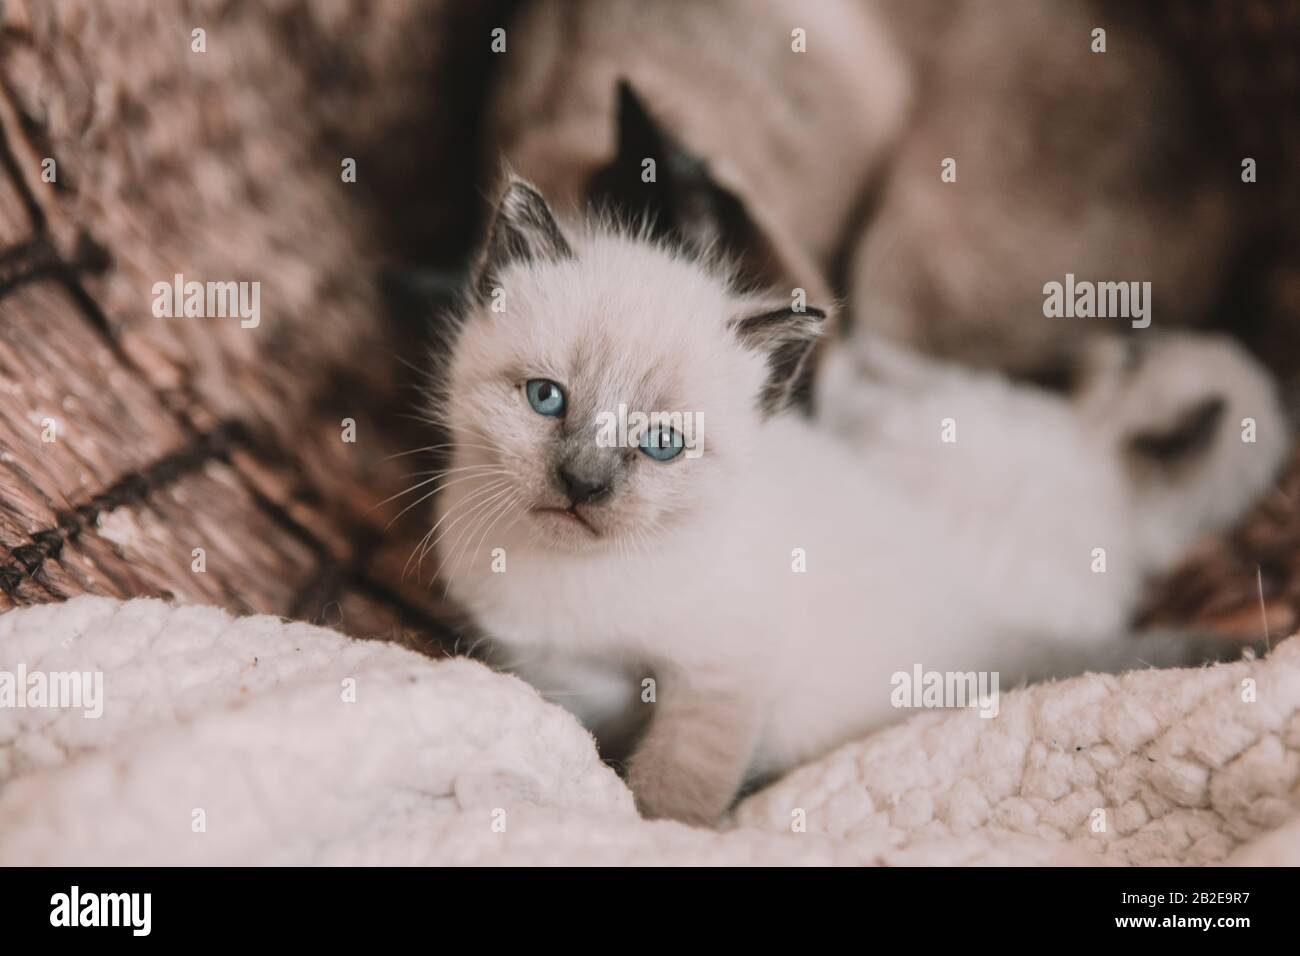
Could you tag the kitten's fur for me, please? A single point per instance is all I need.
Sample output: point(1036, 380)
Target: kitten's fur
point(973, 555)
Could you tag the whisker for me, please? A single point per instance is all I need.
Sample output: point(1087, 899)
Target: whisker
point(468, 529)
point(441, 445)
point(438, 472)
point(510, 504)
point(436, 475)
point(462, 543)
point(478, 476)
point(466, 513)
point(473, 496)
point(429, 494)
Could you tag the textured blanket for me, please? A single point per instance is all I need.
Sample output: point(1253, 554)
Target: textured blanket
point(188, 736)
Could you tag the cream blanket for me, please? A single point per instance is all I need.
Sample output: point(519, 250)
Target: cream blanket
point(252, 740)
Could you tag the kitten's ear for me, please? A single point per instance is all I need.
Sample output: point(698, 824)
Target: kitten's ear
point(523, 229)
point(620, 186)
point(789, 339)
point(684, 200)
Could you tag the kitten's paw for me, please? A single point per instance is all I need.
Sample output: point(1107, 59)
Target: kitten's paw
point(675, 787)
point(691, 762)
point(1196, 423)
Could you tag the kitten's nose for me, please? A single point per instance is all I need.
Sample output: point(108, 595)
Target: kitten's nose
point(582, 490)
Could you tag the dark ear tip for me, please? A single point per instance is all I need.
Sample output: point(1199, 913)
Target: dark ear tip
point(514, 187)
point(521, 229)
point(630, 105)
point(507, 180)
point(519, 201)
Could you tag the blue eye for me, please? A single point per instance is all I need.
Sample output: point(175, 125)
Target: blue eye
point(662, 444)
point(546, 397)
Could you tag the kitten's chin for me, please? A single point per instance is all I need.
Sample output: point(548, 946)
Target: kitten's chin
point(568, 527)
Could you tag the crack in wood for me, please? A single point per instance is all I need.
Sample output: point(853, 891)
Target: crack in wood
point(46, 257)
point(26, 560)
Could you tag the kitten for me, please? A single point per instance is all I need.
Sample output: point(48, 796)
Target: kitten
point(774, 584)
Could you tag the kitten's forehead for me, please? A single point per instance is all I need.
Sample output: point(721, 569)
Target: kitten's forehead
point(636, 290)
point(624, 318)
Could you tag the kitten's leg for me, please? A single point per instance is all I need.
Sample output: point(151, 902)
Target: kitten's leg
point(692, 760)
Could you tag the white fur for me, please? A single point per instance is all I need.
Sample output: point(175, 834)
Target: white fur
point(975, 555)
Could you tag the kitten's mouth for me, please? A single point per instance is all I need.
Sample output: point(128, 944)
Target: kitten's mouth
point(570, 513)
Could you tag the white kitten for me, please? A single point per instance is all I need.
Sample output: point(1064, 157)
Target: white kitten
point(775, 584)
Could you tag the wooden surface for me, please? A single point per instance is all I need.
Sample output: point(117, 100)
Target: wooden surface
point(176, 434)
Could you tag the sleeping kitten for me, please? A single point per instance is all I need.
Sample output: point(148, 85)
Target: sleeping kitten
point(774, 583)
